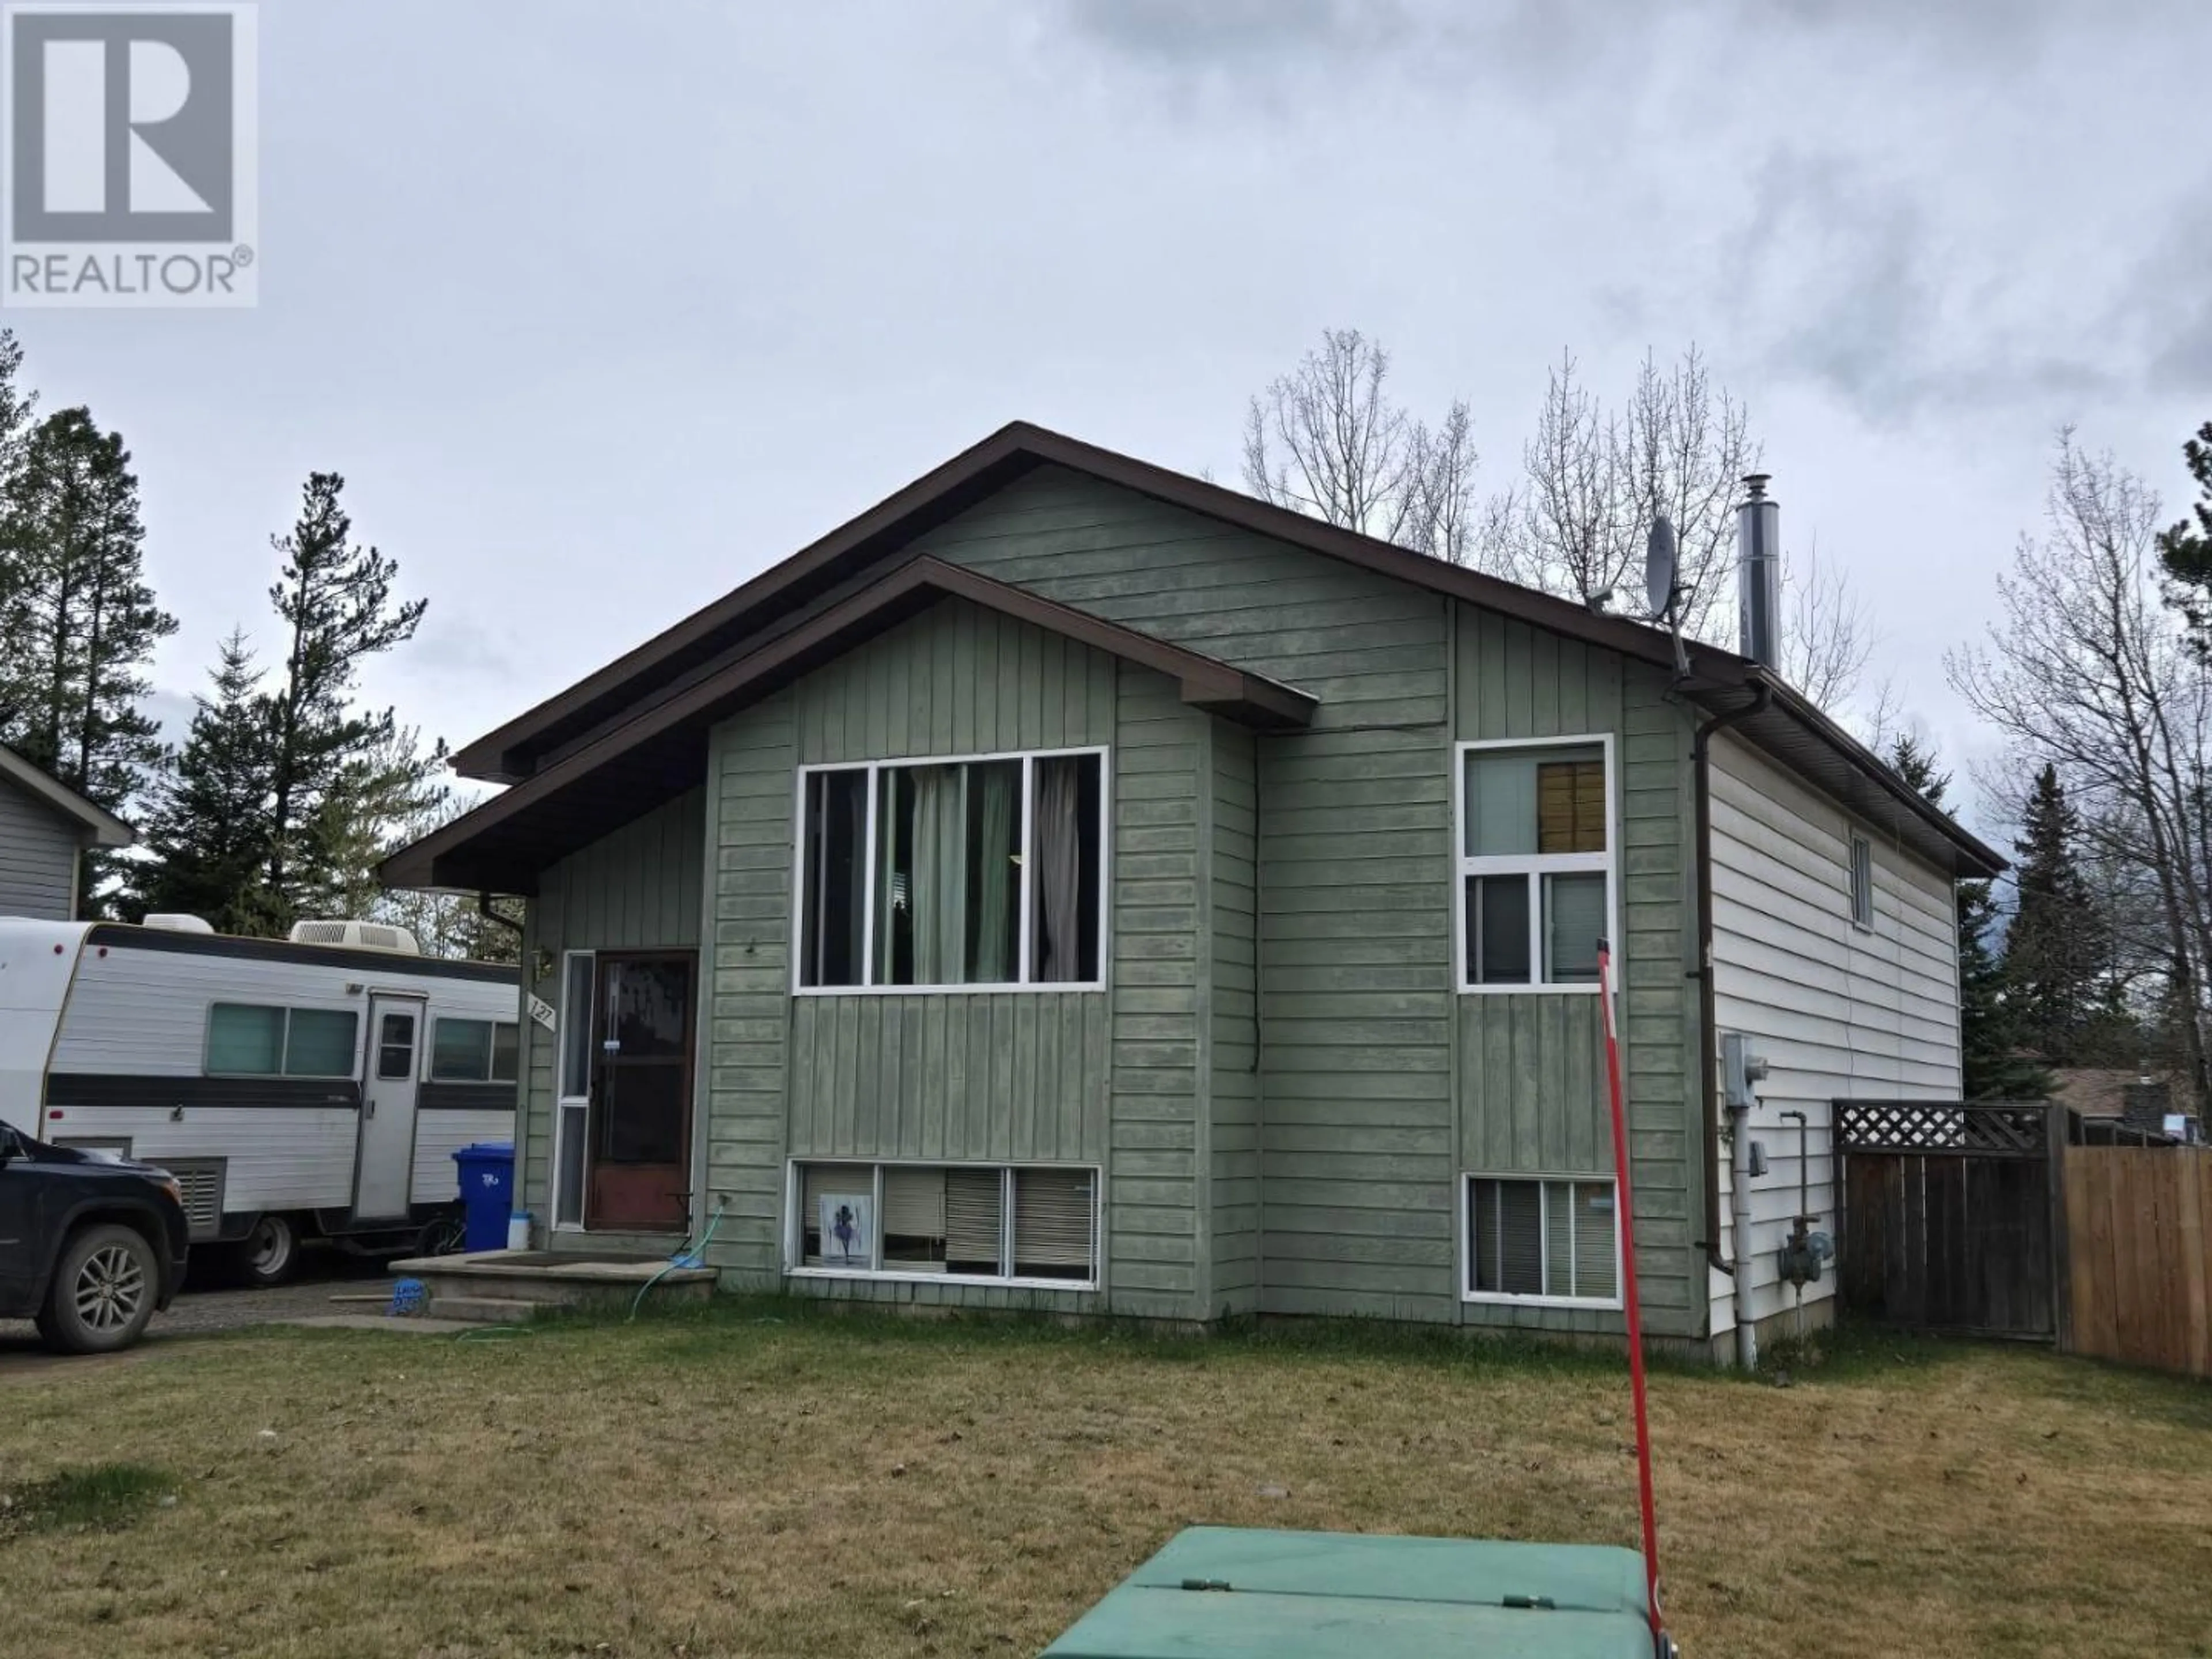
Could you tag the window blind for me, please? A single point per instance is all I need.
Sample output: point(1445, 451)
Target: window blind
point(972, 1214)
point(1570, 806)
point(1052, 1223)
point(1552, 1238)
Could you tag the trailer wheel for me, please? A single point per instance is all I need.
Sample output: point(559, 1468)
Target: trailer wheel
point(104, 1291)
point(269, 1253)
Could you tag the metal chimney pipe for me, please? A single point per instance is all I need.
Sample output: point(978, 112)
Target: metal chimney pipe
point(1758, 573)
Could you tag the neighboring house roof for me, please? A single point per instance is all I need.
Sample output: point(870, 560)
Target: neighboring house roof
point(620, 720)
point(98, 826)
point(2104, 1092)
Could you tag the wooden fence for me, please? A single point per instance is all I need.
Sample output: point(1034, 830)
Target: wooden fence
point(1947, 1216)
point(2138, 1236)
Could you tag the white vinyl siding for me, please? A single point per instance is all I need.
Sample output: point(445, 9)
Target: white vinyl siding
point(1838, 1010)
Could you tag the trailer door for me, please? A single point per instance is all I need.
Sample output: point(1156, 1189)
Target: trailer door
point(384, 1175)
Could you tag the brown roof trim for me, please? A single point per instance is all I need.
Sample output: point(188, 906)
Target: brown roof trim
point(1204, 682)
point(605, 697)
point(502, 755)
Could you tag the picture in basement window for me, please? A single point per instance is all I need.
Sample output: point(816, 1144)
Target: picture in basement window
point(847, 1226)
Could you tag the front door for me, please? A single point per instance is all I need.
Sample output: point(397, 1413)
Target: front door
point(641, 1111)
point(383, 1178)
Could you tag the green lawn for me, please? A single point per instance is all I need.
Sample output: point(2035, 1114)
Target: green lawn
point(766, 1478)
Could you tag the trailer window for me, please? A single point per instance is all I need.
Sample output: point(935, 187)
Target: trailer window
point(474, 1051)
point(245, 1041)
point(248, 1040)
point(318, 1042)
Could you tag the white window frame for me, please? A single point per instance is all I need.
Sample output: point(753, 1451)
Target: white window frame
point(563, 1102)
point(1467, 1293)
point(1025, 985)
point(1533, 866)
point(1862, 913)
point(794, 1231)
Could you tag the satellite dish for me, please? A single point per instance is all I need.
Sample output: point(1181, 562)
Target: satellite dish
point(1659, 569)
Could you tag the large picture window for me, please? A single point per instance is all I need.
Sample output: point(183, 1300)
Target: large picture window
point(1536, 863)
point(1031, 1223)
point(985, 871)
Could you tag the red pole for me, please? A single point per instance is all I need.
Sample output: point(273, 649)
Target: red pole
point(1625, 1208)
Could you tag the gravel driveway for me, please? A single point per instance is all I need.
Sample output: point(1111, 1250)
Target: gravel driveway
point(206, 1304)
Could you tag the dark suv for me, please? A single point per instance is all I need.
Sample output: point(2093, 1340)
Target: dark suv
point(90, 1246)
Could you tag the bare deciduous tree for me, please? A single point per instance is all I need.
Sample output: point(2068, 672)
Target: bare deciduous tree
point(1827, 637)
point(2091, 673)
point(1328, 439)
point(1596, 479)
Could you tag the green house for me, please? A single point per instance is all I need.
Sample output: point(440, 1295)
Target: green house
point(1073, 885)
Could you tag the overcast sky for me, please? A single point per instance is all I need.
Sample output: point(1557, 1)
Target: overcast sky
point(602, 307)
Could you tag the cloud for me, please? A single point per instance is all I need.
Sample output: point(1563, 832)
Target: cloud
point(1845, 282)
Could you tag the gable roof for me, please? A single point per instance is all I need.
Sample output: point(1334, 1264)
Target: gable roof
point(622, 704)
point(609, 781)
point(95, 825)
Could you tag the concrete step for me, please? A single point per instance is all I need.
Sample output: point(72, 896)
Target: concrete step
point(484, 1309)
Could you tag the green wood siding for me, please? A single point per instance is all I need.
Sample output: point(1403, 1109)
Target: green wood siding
point(1109, 1079)
point(1532, 1068)
point(1352, 860)
point(1279, 1081)
point(1233, 1024)
point(637, 889)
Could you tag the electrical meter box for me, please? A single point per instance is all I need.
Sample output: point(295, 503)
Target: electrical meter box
point(1228, 1593)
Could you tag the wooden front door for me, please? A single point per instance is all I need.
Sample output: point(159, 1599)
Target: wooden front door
point(641, 1109)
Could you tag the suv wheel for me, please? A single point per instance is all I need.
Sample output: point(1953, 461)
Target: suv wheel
point(270, 1254)
point(103, 1293)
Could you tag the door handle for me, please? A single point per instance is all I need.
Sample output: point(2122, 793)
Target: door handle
point(372, 1109)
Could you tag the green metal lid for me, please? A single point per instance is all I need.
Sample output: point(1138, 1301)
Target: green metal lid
point(1219, 1592)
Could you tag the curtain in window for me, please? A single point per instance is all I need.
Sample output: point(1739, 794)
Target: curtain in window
point(1058, 853)
point(938, 882)
point(992, 961)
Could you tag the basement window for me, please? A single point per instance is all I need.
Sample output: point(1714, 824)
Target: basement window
point(993, 1224)
point(1536, 865)
point(1548, 1241)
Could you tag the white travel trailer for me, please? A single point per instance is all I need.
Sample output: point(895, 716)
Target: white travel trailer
point(314, 1086)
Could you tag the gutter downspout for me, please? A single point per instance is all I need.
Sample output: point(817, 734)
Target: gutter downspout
point(1709, 1035)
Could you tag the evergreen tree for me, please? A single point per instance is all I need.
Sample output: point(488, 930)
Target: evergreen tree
point(209, 834)
point(81, 622)
point(335, 774)
point(2055, 953)
point(2185, 549)
point(1991, 1065)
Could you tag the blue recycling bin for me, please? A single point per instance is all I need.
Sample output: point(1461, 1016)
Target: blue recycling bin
point(487, 1172)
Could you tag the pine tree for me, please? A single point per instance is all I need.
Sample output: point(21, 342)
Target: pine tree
point(82, 622)
point(336, 773)
point(1990, 1063)
point(208, 834)
point(2054, 953)
point(2185, 549)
